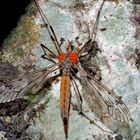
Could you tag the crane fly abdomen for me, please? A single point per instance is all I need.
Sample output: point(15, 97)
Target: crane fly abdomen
point(65, 100)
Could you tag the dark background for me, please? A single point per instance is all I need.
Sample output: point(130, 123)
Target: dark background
point(10, 12)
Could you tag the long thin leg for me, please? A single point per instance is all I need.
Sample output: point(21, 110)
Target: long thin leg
point(61, 41)
point(49, 28)
point(75, 86)
point(92, 35)
point(52, 53)
point(46, 56)
point(77, 41)
point(93, 122)
point(89, 33)
point(79, 97)
point(84, 46)
point(79, 50)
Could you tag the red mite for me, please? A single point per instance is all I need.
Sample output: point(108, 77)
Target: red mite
point(73, 56)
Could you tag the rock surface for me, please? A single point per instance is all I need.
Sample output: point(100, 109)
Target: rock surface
point(118, 38)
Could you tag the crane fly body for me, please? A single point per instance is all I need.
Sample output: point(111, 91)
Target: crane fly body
point(67, 61)
point(68, 64)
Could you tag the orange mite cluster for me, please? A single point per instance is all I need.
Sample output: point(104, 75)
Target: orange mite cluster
point(72, 55)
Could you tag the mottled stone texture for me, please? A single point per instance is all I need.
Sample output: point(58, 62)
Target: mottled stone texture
point(118, 39)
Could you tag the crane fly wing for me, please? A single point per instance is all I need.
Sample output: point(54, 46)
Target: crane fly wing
point(18, 87)
point(108, 100)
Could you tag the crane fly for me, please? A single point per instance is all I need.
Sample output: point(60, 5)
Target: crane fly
point(68, 64)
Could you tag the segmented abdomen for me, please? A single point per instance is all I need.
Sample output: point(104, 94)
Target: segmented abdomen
point(65, 100)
